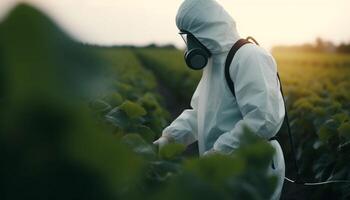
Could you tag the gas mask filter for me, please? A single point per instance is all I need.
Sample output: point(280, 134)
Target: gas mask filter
point(196, 54)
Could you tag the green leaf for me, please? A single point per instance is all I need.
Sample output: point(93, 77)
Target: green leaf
point(216, 168)
point(133, 110)
point(172, 151)
point(319, 111)
point(344, 130)
point(115, 99)
point(146, 133)
point(334, 108)
point(139, 146)
point(325, 134)
point(149, 101)
point(303, 104)
point(118, 118)
point(341, 117)
point(100, 106)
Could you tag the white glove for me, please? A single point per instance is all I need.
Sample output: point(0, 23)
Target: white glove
point(162, 141)
point(210, 152)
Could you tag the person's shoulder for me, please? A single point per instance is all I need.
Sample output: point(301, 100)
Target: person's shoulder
point(252, 57)
point(250, 51)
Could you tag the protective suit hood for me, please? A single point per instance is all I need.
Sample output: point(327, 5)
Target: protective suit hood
point(209, 23)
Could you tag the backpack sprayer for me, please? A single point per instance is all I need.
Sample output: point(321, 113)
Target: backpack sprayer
point(298, 180)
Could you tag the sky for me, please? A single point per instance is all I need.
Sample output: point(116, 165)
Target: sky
point(140, 22)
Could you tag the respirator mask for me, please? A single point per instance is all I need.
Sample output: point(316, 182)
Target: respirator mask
point(196, 54)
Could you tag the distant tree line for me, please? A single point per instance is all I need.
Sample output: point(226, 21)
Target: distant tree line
point(131, 46)
point(319, 45)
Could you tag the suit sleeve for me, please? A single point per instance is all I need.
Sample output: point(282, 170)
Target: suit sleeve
point(258, 97)
point(184, 128)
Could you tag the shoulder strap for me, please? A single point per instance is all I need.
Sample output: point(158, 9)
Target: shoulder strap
point(228, 62)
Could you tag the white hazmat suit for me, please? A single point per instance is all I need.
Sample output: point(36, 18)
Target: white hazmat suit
point(217, 118)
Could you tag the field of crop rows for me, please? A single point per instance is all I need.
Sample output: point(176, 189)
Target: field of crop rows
point(77, 122)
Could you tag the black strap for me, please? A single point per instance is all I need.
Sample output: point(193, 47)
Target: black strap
point(298, 179)
point(228, 62)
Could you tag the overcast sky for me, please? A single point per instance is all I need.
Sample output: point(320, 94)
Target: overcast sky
point(141, 22)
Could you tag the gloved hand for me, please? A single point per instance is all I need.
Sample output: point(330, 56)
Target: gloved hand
point(163, 141)
point(211, 152)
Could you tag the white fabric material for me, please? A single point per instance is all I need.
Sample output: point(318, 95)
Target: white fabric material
point(279, 170)
point(217, 119)
point(161, 142)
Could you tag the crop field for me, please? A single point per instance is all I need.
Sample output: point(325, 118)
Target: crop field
point(317, 91)
point(77, 121)
point(317, 88)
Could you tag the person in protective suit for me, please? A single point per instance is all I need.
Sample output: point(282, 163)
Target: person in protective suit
point(217, 118)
